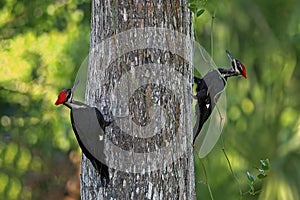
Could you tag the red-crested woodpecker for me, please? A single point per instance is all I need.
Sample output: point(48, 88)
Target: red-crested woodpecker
point(89, 127)
point(209, 88)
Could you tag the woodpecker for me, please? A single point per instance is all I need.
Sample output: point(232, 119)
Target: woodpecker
point(89, 127)
point(209, 88)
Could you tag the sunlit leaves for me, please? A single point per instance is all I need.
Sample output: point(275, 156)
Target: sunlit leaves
point(24, 159)
point(14, 188)
point(41, 44)
point(10, 153)
point(4, 179)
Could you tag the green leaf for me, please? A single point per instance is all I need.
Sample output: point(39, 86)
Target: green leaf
point(261, 171)
point(250, 177)
point(200, 12)
point(265, 164)
point(262, 176)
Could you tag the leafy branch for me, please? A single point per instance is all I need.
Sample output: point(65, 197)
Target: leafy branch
point(262, 173)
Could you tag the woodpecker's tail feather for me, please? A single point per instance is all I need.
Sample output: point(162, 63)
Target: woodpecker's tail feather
point(104, 174)
point(102, 169)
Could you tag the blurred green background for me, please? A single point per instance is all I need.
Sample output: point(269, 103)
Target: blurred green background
point(42, 44)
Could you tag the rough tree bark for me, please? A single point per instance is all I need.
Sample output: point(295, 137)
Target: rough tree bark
point(124, 80)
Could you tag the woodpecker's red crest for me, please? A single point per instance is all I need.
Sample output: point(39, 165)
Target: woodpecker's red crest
point(63, 96)
point(237, 65)
point(241, 67)
point(66, 95)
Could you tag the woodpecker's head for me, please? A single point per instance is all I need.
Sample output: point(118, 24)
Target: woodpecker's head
point(237, 66)
point(66, 95)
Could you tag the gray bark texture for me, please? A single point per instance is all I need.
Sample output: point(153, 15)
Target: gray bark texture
point(122, 72)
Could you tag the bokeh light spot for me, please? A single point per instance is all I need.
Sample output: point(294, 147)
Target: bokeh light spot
point(3, 182)
point(5, 121)
point(247, 106)
point(10, 153)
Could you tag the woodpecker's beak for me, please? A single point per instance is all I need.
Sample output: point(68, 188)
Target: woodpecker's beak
point(74, 86)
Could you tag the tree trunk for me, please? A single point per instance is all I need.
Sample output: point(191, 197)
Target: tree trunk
point(140, 76)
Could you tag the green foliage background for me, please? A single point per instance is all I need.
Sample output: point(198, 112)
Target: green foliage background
point(262, 111)
point(42, 44)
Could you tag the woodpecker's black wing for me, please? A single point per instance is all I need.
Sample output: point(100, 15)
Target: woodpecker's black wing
point(203, 108)
point(208, 91)
point(89, 127)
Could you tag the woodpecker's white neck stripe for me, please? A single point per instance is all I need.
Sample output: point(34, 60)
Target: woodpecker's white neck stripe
point(234, 64)
point(76, 106)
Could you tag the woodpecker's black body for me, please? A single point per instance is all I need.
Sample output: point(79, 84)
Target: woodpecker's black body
point(209, 88)
point(208, 91)
point(89, 127)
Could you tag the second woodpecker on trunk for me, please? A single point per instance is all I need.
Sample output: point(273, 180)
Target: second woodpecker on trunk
point(209, 88)
point(89, 127)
